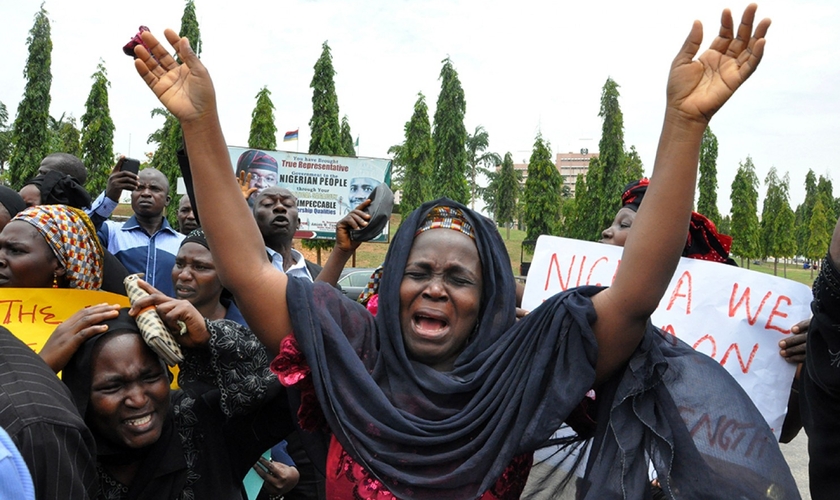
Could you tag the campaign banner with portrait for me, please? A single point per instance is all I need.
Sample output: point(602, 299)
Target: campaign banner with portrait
point(734, 315)
point(327, 187)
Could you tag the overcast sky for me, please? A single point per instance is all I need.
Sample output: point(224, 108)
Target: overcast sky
point(525, 66)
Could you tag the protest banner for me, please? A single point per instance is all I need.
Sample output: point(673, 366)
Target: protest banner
point(734, 315)
point(327, 187)
point(32, 314)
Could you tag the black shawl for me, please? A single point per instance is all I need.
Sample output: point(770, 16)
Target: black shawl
point(422, 432)
point(430, 435)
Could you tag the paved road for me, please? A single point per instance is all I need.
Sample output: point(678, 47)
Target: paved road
point(796, 454)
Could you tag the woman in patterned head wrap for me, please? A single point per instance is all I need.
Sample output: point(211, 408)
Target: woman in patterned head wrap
point(50, 246)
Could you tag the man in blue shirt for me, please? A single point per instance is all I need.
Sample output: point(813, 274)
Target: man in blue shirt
point(15, 481)
point(146, 243)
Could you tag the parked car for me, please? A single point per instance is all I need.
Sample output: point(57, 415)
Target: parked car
point(354, 280)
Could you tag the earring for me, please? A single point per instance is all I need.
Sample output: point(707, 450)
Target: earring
point(55, 279)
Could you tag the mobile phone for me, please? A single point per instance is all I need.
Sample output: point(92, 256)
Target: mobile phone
point(130, 165)
point(262, 466)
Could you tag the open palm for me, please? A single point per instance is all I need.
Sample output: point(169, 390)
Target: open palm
point(698, 88)
point(185, 89)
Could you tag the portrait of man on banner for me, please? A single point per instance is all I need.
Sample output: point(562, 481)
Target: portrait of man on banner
point(262, 168)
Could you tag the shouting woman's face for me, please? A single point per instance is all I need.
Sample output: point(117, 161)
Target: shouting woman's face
point(440, 297)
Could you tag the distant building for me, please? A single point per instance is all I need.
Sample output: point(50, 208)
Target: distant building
point(570, 165)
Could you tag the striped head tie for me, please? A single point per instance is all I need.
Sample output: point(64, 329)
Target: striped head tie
point(442, 217)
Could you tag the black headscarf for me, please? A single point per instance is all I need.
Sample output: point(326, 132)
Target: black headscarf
point(431, 435)
point(60, 189)
point(425, 433)
point(11, 199)
point(78, 377)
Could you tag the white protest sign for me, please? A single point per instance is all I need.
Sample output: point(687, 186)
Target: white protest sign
point(734, 315)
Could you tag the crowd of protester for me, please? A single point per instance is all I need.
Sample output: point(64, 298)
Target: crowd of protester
point(433, 385)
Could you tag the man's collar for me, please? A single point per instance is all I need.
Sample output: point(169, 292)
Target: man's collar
point(132, 223)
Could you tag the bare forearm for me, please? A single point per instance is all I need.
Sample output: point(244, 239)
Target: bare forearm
point(221, 203)
point(654, 246)
point(233, 236)
point(333, 267)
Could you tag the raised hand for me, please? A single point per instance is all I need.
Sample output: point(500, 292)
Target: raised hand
point(185, 89)
point(356, 219)
point(244, 181)
point(698, 88)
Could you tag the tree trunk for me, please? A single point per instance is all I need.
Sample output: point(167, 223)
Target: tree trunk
point(785, 268)
point(775, 266)
point(318, 253)
point(507, 230)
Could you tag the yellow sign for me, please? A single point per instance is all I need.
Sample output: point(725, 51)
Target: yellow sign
point(32, 314)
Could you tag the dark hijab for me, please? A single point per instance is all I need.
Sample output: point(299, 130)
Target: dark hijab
point(78, 377)
point(424, 433)
point(431, 435)
point(11, 199)
point(60, 189)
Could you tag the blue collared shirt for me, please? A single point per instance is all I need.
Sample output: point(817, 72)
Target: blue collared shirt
point(153, 255)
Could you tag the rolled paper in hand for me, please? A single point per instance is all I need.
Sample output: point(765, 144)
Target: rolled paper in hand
point(152, 328)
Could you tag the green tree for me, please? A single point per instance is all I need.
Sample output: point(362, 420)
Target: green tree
point(787, 237)
point(633, 166)
point(725, 226)
point(98, 133)
point(165, 158)
point(324, 126)
point(503, 193)
point(707, 203)
point(745, 226)
point(263, 130)
point(31, 136)
point(820, 236)
point(541, 199)
point(826, 191)
point(190, 29)
point(595, 206)
point(66, 137)
point(326, 131)
point(478, 160)
point(347, 138)
point(5, 137)
point(449, 138)
point(804, 211)
point(416, 159)
point(771, 236)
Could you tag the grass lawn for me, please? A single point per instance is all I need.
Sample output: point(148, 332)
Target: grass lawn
point(794, 271)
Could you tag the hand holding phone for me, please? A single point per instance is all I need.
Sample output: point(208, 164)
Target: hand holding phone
point(123, 177)
point(130, 165)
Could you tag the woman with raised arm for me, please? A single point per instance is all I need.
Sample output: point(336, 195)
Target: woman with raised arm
point(443, 394)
